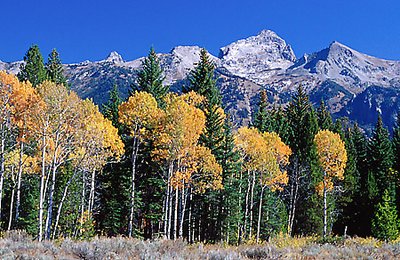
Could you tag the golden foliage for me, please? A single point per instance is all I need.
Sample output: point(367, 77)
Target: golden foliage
point(139, 112)
point(332, 158)
point(176, 141)
point(266, 154)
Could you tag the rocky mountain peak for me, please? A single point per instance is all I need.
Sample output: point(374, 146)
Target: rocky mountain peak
point(114, 57)
point(186, 50)
point(257, 57)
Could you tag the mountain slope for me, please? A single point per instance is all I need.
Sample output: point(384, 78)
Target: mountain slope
point(345, 78)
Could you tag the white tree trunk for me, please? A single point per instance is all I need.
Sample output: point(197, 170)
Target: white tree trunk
point(259, 213)
point(135, 149)
point(11, 200)
point(246, 212)
point(253, 182)
point(183, 201)
point(19, 181)
point(2, 162)
point(325, 208)
point(42, 190)
point(176, 214)
point(61, 205)
point(91, 194)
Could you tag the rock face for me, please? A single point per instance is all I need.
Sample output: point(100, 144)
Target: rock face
point(353, 84)
point(258, 57)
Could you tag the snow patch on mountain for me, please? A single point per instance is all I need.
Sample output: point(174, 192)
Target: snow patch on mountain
point(348, 68)
point(258, 57)
point(114, 57)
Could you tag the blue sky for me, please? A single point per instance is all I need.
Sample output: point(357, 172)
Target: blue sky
point(90, 29)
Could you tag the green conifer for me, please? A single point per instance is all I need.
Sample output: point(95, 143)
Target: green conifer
point(33, 68)
point(54, 69)
point(261, 121)
point(150, 78)
point(380, 158)
point(324, 117)
point(110, 109)
point(385, 223)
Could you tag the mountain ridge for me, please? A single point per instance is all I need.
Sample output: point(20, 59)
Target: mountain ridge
point(337, 73)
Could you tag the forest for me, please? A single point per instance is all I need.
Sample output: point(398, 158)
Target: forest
point(173, 165)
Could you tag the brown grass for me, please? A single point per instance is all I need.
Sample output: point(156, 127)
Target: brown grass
point(17, 244)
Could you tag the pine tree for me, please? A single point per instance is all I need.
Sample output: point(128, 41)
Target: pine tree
point(324, 117)
point(362, 212)
point(150, 78)
point(347, 202)
point(302, 125)
point(110, 109)
point(202, 79)
point(54, 69)
point(261, 121)
point(396, 151)
point(380, 158)
point(385, 221)
point(396, 143)
point(231, 210)
point(33, 68)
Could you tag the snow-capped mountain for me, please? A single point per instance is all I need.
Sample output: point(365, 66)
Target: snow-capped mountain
point(258, 57)
point(346, 79)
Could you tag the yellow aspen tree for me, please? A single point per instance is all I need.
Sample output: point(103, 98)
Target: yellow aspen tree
point(139, 113)
point(332, 157)
point(26, 104)
point(57, 127)
point(190, 166)
point(97, 141)
point(265, 155)
point(250, 143)
point(7, 83)
point(273, 172)
point(12, 165)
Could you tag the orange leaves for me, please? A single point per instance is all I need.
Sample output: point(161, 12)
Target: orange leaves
point(139, 112)
point(73, 129)
point(179, 129)
point(266, 154)
point(176, 141)
point(208, 173)
point(96, 137)
point(332, 157)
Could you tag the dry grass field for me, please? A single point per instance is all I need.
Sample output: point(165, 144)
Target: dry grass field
point(16, 245)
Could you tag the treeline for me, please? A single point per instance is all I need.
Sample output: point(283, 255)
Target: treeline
point(161, 164)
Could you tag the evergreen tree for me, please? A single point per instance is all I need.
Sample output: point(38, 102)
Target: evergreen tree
point(385, 223)
point(231, 211)
point(110, 109)
point(261, 121)
point(150, 78)
point(202, 80)
point(362, 211)
point(302, 125)
point(396, 144)
point(380, 158)
point(347, 203)
point(54, 69)
point(324, 117)
point(33, 68)
point(396, 151)
point(114, 208)
point(280, 123)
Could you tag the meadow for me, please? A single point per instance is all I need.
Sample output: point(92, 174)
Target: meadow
point(18, 245)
